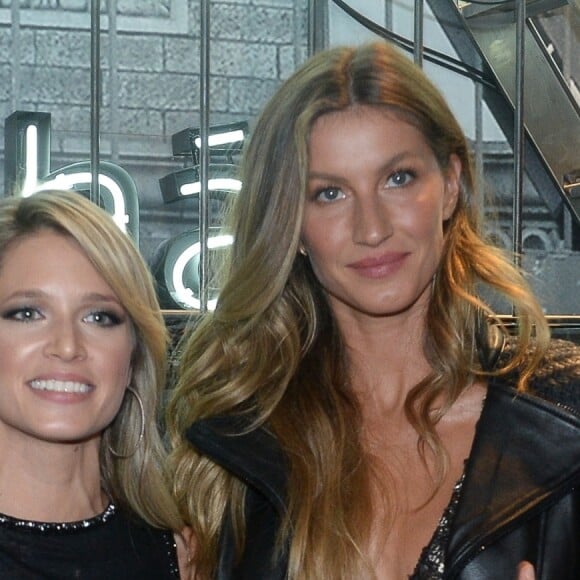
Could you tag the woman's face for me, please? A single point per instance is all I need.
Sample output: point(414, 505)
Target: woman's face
point(65, 344)
point(375, 206)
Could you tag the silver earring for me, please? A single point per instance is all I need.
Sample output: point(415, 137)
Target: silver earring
point(302, 250)
point(141, 431)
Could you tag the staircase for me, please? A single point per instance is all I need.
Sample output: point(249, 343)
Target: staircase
point(485, 38)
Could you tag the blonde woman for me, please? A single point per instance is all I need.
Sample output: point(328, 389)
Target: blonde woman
point(350, 410)
point(83, 491)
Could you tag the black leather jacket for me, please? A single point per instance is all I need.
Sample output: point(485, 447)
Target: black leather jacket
point(520, 498)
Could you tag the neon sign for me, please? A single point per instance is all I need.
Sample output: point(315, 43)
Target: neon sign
point(177, 268)
point(180, 262)
point(27, 171)
point(27, 139)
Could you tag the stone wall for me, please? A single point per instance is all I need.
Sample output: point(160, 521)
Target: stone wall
point(150, 64)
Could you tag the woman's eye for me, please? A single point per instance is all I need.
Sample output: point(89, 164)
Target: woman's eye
point(329, 194)
point(400, 178)
point(103, 318)
point(23, 314)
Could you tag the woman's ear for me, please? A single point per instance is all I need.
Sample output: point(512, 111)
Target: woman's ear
point(452, 185)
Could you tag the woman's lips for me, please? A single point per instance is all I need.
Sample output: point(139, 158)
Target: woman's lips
point(380, 266)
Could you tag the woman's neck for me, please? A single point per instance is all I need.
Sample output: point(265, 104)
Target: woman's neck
point(386, 361)
point(50, 482)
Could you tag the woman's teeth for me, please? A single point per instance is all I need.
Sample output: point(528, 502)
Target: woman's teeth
point(59, 386)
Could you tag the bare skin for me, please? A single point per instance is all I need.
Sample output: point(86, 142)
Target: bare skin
point(419, 503)
point(373, 229)
point(185, 543)
point(60, 325)
point(526, 571)
point(59, 322)
point(374, 234)
point(382, 380)
point(392, 444)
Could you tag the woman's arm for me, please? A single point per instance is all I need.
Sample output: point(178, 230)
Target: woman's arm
point(185, 543)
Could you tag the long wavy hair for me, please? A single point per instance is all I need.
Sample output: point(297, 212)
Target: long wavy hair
point(137, 482)
point(272, 346)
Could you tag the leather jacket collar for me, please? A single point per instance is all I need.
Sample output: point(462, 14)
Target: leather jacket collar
point(253, 456)
point(525, 455)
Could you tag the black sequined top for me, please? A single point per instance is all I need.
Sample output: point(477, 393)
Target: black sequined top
point(431, 565)
point(109, 546)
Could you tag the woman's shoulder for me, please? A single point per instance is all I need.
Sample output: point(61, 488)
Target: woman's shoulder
point(557, 376)
point(152, 546)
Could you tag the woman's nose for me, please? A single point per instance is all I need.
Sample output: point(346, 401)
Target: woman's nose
point(65, 341)
point(372, 222)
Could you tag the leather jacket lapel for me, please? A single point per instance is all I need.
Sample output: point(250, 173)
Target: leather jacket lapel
point(253, 456)
point(526, 453)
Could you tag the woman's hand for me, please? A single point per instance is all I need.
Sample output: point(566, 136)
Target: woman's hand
point(526, 571)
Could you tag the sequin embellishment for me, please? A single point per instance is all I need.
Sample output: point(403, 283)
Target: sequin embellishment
point(63, 527)
point(431, 565)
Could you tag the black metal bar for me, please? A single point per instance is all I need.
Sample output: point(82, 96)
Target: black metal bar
point(113, 54)
point(204, 155)
point(95, 96)
point(317, 26)
point(418, 33)
point(479, 160)
point(519, 135)
point(16, 53)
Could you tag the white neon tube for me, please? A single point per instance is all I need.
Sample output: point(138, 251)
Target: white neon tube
point(217, 184)
point(185, 295)
point(68, 180)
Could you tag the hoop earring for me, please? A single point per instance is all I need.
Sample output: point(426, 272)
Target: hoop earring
point(141, 431)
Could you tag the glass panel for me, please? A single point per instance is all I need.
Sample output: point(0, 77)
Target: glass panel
point(150, 105)
point(550, 230)
point(150, 68)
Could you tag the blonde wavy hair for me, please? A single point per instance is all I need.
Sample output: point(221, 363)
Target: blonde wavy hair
point(137, 482)
point(272, 347)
